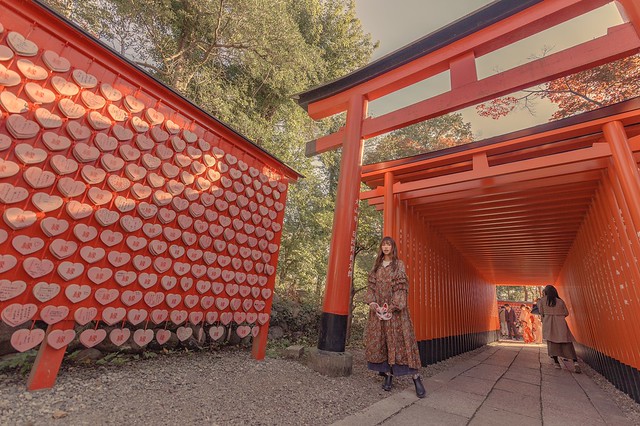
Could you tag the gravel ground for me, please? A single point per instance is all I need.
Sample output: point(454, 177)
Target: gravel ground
point(225, 387)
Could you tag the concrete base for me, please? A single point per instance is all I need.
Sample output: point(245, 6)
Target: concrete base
point(332, 364)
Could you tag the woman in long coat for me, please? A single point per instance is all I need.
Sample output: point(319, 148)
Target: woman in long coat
point(391, 346)
point(555, 329)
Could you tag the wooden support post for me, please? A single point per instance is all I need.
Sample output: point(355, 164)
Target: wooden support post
point(47, 364)
point(630, 11)
point(625, 167)
point(462, 70)
point(388, 205)
point(335, 310)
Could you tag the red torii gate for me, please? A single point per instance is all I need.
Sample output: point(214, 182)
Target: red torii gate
point(474, 169)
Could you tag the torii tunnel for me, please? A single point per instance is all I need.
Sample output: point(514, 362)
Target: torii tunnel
point(557, 203)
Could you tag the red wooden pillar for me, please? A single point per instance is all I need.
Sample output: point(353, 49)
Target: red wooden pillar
point(47, 364)
point(625, 167)
point(388, 205)
point(631, 11)
point(335, 310)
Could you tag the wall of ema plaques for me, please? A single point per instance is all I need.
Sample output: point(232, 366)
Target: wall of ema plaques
point(122, 204)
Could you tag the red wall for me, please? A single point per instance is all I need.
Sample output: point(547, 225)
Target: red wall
point(121, 201)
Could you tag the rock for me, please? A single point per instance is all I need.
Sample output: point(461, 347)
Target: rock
point(234, 339)
point(197, 339)
point(199, 334)
point(58, 414)
point(88, 356)
point(5, 337)
point(276, 332)
point(294, 352)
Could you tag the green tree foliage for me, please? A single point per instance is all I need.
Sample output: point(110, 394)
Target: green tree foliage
point(519, 293)
point(431, 135)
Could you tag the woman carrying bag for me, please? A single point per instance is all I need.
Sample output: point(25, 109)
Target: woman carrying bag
point(555, 329)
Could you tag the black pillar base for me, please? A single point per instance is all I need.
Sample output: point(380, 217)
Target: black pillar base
point(623, 376)
point(435, 350)
point(333, 332)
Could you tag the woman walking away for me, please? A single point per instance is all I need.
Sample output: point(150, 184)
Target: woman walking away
point(555, 329)
point(391, 346)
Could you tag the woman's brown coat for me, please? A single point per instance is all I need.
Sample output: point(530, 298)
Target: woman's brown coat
point(394, 340)
point(554, 325)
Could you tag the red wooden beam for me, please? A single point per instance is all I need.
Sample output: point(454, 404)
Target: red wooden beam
point(490, 201)
point(621, 41)
point(587, 129)
point(560, 170)
point(325, 143)
point(487, 177)
point(591, 177)
point(533, 20)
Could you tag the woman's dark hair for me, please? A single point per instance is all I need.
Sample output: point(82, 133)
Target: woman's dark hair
point(394, 254)
point(552, 294)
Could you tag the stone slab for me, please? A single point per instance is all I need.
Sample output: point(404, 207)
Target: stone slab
point(491, 416)
point(514, 403)
point(471, 384)
point(380, 411)
point(332, 364)
point(455, 402)
point(425, 416)
point(518, 387)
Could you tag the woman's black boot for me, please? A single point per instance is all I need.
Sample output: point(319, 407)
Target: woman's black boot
point(420, 391)
point(386, 385)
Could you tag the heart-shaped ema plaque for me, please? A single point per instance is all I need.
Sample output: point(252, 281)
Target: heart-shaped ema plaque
point(55, 62)
point(44, 291)
point(32, 71)
point(24, 339)
point(110, 93)
point(8, 78)
point(13, 104)
point(89, 338)
point(39, 94)
point(118, 336)
point(21, 128)
point(84, 79)
point(71, 109)
point(10, 289)
point(64, 87)
point(21, 45)
point(17, 313)
point(59, 339)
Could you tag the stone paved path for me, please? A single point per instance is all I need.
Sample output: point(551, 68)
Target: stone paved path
point(509, 384)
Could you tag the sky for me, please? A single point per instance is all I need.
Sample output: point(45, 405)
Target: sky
point(396, 23)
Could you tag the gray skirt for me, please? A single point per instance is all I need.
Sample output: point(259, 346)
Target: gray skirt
point(564, 350)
